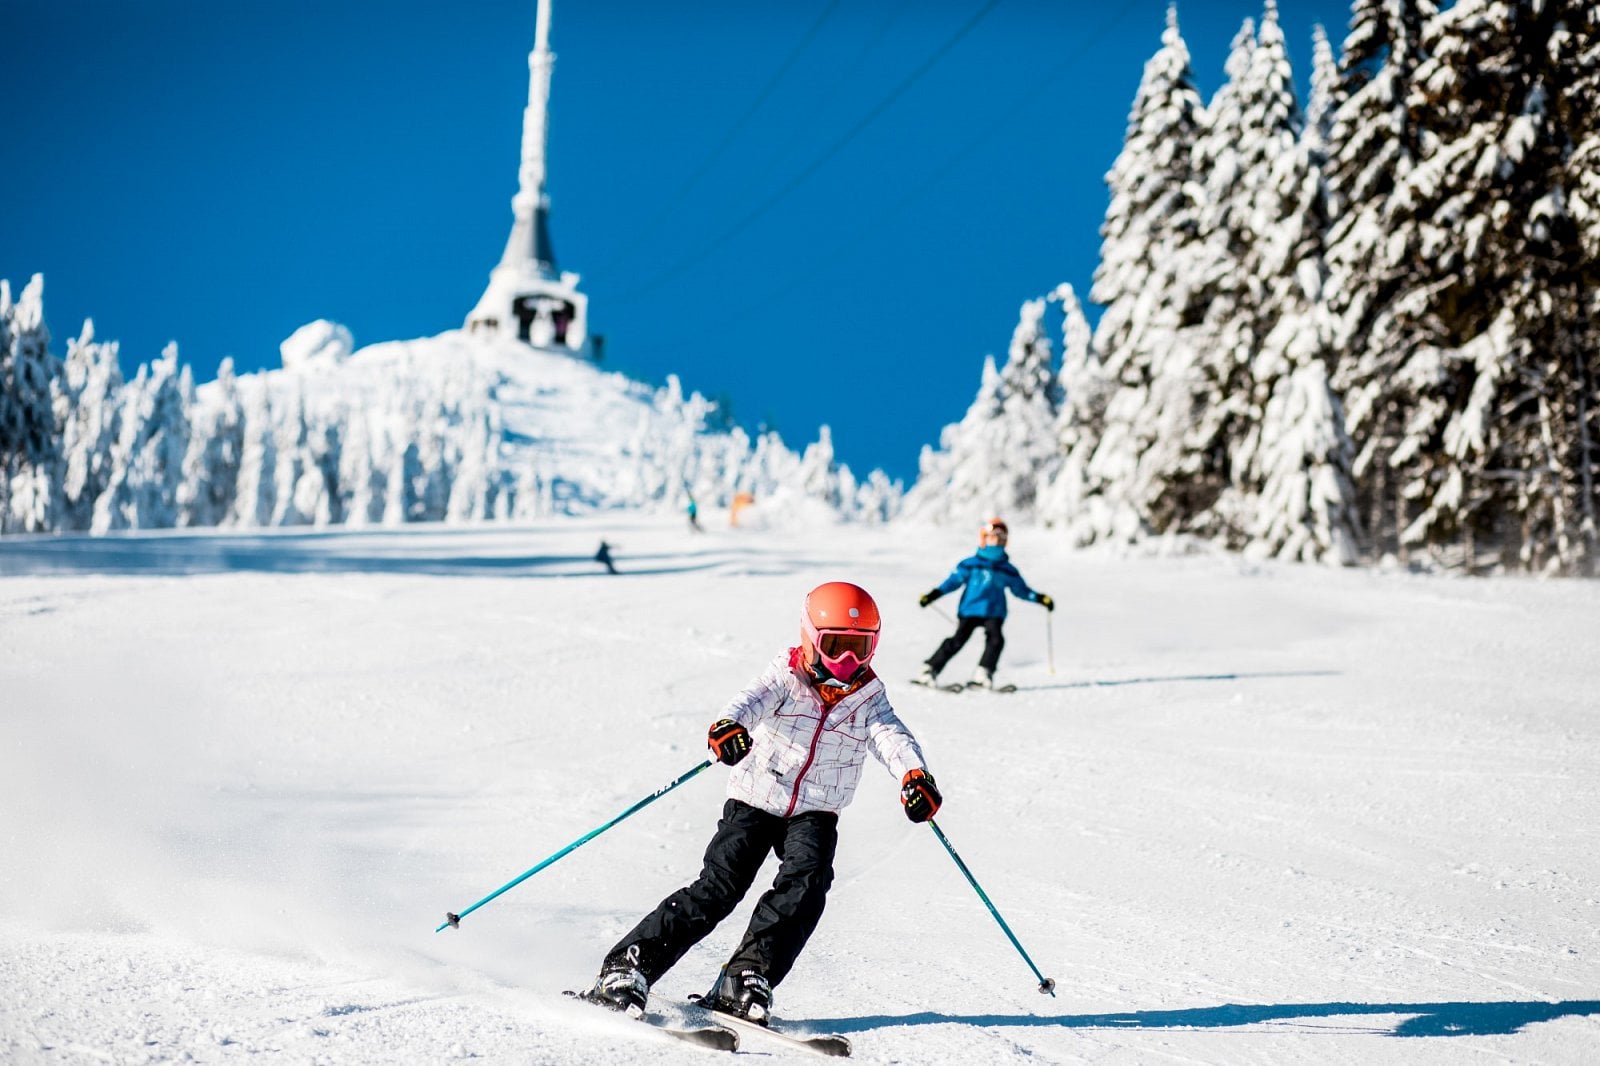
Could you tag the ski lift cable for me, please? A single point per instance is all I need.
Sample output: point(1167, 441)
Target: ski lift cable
point(988, 132)
point(665, 211)
point(744, 223)
point(837, 79)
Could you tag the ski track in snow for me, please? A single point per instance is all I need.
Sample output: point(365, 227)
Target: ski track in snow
point(1258, 813)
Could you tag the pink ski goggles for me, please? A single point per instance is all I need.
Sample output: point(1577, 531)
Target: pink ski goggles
point(843, 651)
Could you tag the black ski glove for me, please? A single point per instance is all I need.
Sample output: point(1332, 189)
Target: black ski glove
point(919, 795)
point(1046, 602)
point(929, 597)
point(729, 741)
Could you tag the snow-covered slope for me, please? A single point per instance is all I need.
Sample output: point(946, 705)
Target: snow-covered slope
point(1258, 813)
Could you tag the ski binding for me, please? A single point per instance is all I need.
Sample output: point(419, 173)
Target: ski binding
point(716, 1037)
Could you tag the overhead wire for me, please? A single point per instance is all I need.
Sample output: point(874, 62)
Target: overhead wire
point(988, 132)
point(837, 79)
point(654, 222)
point(816, 164)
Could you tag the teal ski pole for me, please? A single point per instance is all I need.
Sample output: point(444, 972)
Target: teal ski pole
point(453, 920)
point(1046, 984)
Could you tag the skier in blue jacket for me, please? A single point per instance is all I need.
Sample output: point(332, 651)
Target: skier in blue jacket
point(986, 575)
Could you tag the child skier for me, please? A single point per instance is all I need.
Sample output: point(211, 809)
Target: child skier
point(806, 724)
point(986, 575)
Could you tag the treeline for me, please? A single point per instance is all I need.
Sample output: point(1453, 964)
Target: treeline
point(407, 432)
point(1364, 329)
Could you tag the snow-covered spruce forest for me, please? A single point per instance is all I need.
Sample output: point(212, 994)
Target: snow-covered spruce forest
point(439, 429)
point(1368, 329)
point(1361, 330)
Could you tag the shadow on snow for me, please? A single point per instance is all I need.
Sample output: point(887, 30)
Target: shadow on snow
point(1185, 677)
point(1426, 1019)
point(309, 553)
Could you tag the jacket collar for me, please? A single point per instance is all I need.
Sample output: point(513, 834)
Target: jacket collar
point(868, 683)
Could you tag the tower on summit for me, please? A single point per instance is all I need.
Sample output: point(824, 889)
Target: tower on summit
point(528, 297)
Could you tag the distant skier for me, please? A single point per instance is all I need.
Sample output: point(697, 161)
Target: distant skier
point(808, 722)
point(603, 556)
point(986, 575)
point(694, 517)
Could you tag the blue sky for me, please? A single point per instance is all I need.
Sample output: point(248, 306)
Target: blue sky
point(219, 174)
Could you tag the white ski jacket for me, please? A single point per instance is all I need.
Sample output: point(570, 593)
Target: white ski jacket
point(805, 757)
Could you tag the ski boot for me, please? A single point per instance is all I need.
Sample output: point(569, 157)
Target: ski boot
point(622, 986)
point(745, 993)
point(981, 678)
point(926, 677)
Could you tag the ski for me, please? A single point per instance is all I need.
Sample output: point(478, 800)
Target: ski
point(969, 687)
point(714, 1037)
point(831, 1045)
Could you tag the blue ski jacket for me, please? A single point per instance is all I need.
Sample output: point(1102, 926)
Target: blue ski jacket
point(986, 576)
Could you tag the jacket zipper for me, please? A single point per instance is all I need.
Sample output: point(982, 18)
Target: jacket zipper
point(794, 797)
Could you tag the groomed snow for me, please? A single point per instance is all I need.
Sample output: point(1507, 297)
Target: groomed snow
point(1258, 813)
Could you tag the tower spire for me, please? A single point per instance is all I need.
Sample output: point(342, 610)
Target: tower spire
point(530, 207)
point(527, 296)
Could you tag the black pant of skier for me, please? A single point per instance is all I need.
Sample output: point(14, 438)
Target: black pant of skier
point(994, 642)
point(785, 916)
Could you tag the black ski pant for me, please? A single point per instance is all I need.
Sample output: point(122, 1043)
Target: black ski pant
point(785, 916)
point(993, 642)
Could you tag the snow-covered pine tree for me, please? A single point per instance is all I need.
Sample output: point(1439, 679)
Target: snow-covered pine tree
point(1151, 217)
point(1084, 390)
point(1584, 172)
point(147, 459)
point(1584, 165)
point(1373, 147)
point(997, 458)
point(472, 492)
point(293, 451)
point(359, 483)
point(1497, 460)
point(1132, 443)
point(1291, 465)
point(216, 449)
point(1164, 458)
point(29, 445)
point(1252, 152)
point(1324, 99)
point(308, 461)
point(257, 492)
point(88, 419)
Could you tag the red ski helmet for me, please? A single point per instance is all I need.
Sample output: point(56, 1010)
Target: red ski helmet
point(996, 528)
point(839, 628)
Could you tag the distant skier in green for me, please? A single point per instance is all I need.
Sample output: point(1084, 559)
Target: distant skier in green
point(986, 576)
